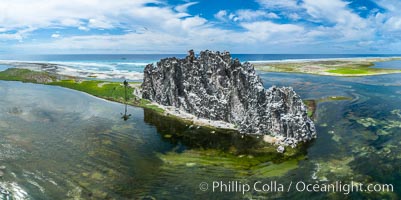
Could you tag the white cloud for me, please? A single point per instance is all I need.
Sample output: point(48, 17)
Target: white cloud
point(362, 8)
point(151, 28)
point(289, 4)
point(389, 21)
point(167, 28)
point(272, 15)
point(8, 36)
point(104, 14)
point(191, 23)
point(83, 28)
point(333, 10)
point(184, 7)
point(294, 16)
point(232, 17)
point(3, 30)
point(251, 15)
point(70, 22)
point(221, 15)
point(100, 24)
point(390, 5)
point(19, 35)
point(365, 43)
point(266, 30)
point(55, 35)
point(139, 43)
point(245, 15)
point(346, 24)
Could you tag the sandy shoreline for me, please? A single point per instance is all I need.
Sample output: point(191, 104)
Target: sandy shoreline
point(171, 110)
point(199, 122)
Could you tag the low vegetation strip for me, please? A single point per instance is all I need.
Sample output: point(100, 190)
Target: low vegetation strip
point(349, 67)
point(112, 91)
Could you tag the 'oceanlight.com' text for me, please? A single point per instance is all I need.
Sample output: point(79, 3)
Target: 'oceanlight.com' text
point(297, 186)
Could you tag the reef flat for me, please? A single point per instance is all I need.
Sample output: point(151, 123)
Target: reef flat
point(338, 67)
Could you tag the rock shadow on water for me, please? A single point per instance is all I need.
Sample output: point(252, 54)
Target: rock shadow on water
point(207, 146)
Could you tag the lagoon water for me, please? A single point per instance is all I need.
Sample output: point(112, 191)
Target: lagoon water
point(57, 143)
point(395, 64)
point(3, 67)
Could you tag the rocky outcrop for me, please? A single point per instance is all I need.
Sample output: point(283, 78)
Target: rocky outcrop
point(215, 86)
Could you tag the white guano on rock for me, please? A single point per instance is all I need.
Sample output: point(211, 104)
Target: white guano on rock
point(214, 86)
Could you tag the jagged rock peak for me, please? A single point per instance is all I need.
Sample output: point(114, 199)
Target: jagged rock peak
point(216, 87)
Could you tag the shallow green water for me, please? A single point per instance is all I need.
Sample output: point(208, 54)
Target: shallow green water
point(61, 144)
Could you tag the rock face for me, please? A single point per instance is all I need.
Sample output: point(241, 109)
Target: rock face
point(215, 86)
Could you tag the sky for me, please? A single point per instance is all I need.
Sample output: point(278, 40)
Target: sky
point(175, 26)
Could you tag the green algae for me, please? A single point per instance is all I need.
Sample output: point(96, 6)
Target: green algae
point(326, 169)
point(107, 90)
point(245, 155)
point(311, 107)
point(26, 75)
point(167, 136)
point(329, 67)
point(384, 125)
point(368, 122)
point(336, 138)
point(312, 104)
point(250, 165)
point(147, 104)
point(274, 170)
point(177, 131)
point(334, 98)
point(96, 176)
point(354, 71)
point(396, 112)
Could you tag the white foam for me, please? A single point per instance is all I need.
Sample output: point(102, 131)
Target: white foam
point(17, 192)
point(85, 70)
point(112, 74)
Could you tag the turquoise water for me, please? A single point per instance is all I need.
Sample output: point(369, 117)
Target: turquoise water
point(58, 144)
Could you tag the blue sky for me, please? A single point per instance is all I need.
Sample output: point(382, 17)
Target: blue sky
point(172, 26)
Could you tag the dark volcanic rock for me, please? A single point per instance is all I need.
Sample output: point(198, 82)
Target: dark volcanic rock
point(215, 86)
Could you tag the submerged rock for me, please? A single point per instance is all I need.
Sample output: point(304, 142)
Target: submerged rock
point(214, 86)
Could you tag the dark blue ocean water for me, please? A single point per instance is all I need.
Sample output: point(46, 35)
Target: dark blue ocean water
point(154, 57)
